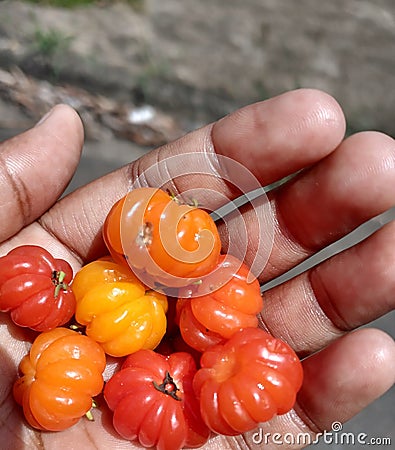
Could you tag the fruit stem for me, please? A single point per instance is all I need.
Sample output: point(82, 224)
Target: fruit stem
point(58, 281)
point(168, 387)
point(89, 414)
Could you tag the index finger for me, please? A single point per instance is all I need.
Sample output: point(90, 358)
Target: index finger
point(270, 139)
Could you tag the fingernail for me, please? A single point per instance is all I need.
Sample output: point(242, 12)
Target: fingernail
point(44, 117)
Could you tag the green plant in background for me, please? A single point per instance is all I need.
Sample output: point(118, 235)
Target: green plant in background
point(62, 3)
point(48, 48)
point(47, 43)
point(135, 4)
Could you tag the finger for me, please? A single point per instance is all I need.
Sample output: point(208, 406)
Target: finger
point(271, 139)
point(339, 382)
point(360, 367)
point(342, 293)
point(304, 126)
point(350, 186)
point(322, 204)
point(281, 135)
point(36, 166)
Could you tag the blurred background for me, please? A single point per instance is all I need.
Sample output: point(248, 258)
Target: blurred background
point(144, 72)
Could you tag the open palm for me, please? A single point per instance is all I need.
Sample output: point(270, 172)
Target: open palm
point(344, 183)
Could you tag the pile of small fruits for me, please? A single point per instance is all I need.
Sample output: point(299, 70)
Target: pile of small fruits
point(181, 316)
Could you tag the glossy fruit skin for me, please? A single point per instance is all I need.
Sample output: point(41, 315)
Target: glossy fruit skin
point(153, 401)
point(59, 378)
point(163, 241)
point(34, 288)
point(247, 380)
point(119, 312)
point(112, 232)
point(226, 301)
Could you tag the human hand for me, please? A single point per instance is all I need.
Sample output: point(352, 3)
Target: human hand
point(346, 183)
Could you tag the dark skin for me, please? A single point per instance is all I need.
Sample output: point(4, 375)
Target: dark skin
point(317, 312)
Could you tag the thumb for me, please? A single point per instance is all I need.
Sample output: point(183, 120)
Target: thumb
point(36, 166)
